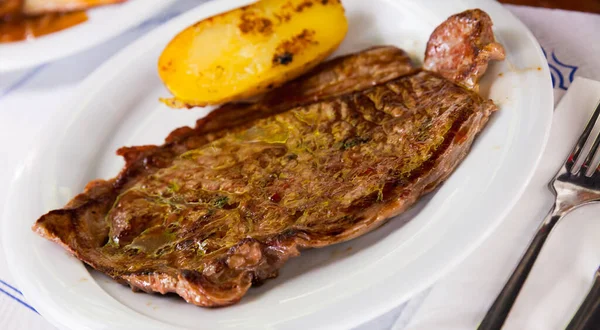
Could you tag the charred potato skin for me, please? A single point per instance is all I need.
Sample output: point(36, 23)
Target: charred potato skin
point(250, 50)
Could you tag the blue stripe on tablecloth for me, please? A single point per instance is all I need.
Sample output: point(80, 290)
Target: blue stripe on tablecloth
point(11, 287)
point(22, 81)
point(157, 20)
point(18, 300)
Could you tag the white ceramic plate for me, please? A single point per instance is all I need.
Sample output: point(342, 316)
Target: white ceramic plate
point(336, 287)
point(103, 24)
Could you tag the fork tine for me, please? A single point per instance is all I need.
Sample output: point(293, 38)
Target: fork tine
point(589, 162)
point(582, 139)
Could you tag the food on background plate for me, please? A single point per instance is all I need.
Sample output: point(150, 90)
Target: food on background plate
point(28, 19)
point(37, 7)
point(320, 160)
point(250, 50)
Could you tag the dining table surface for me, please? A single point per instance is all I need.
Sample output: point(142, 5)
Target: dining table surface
point(590, 6)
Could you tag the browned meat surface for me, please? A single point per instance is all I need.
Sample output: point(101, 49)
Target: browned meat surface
point(461, 47)
point(223, 206)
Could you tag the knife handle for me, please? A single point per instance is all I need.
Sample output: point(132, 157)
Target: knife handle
point(588, 314)
point(498, 312)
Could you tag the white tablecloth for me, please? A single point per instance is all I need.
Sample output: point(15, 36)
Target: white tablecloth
point(28, 99)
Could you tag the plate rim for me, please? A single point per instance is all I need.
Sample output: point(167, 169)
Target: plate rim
point(13, 62)
point(356, 320)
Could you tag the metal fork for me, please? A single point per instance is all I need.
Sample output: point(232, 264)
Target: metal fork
point(588, 314)
point(573, 186)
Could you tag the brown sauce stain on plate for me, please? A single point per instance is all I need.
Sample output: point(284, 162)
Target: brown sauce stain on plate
point(513, 68)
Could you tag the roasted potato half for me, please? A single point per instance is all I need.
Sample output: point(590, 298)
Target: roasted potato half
point(250, 50)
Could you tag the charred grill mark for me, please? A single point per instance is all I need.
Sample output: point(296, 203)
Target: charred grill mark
point(252, 23)
point(372, 103)
point(283, 17)
point(285, 52)
point(304, 5)
point(283, 59)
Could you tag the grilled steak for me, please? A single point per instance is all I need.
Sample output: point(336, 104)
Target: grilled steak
point(321, 160)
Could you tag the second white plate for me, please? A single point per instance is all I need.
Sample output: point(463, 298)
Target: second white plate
point(103, 24)
point(340, 286)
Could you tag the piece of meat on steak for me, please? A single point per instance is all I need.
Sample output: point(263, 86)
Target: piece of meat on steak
point(461, 47)
point(215, 210)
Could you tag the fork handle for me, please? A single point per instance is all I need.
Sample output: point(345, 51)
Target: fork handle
point(588, 314)
point(496, 315)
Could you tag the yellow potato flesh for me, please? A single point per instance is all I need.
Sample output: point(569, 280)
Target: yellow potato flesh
point(249, 50)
